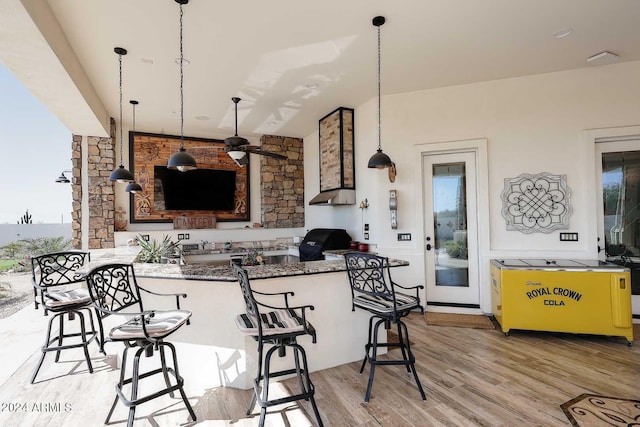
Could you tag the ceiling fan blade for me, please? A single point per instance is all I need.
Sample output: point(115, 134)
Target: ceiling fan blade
point(258, 150)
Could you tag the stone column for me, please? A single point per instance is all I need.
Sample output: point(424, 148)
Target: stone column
point(282, 183)
point(101, 161)
point(76, 191)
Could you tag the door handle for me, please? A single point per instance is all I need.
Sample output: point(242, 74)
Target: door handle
point(428, 246)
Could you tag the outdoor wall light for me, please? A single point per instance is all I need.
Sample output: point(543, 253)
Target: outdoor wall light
point(62, 179)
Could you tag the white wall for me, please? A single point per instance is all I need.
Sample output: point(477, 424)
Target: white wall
point(14, 232)
point(532, 124)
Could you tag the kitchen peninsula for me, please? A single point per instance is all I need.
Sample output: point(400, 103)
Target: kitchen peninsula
point(215, 299)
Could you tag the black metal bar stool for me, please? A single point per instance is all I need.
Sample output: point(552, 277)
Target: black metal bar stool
point(278, 327)
point(368, 275)
point(113, 288)
point(57, 286)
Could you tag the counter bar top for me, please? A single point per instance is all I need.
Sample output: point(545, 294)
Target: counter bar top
point(216, 273)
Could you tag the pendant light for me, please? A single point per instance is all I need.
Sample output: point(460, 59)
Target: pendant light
point(120, 174)
point(133, 187)
point(379, 160)
point(181, 160)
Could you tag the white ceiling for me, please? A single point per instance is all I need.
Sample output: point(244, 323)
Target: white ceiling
point(267, 52)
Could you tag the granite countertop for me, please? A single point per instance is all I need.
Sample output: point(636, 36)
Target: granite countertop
point(215, 273)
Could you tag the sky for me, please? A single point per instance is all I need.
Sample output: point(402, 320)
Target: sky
point(37, 148)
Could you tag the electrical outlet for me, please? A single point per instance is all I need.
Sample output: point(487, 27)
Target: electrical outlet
point(404, 237)
point(145, 237)
point(568, 237)
point(366, 227)
point(180, 236)
point(366, 236)
point(186, 236)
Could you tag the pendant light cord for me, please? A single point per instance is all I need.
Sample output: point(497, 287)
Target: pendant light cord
point(379, 115)
point(120, 68)
point(181, 85)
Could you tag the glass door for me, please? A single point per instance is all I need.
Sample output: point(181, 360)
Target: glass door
point(451, 230)
point(619, 226)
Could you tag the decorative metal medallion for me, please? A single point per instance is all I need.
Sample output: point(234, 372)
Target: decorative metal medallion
point(536, 203)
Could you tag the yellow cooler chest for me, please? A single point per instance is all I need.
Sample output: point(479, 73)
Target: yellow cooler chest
point(575, 296)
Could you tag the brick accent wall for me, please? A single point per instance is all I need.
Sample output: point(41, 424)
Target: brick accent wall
point(282, 183)
point(76, 191)
point(101, 161)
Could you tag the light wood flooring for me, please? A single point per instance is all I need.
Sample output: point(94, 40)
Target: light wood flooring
point(471, 377)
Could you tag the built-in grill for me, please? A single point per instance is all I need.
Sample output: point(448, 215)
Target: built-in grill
point(319, 240)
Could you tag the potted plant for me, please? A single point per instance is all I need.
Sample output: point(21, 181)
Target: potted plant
point(153, 251)
point(252, 257)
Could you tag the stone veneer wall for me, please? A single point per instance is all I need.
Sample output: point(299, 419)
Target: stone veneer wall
point(102, 199)
point(282, 183)
point(76, 191)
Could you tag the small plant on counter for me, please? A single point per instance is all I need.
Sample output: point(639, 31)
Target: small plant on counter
point(252, 257)
point(152, 251)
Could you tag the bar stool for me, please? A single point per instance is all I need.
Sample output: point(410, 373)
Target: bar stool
point(56, 287)
point(113, 288)
point(370, 291)
point(278, 327)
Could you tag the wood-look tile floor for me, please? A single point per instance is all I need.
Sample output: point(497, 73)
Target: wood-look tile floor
point(472, 377)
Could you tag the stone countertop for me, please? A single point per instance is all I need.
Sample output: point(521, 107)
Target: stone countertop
point(215, 273)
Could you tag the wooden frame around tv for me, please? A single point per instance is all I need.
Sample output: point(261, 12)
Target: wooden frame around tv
point(147, 150)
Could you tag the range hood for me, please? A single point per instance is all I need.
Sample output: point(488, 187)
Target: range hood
point(335, 197)
point(337, 163)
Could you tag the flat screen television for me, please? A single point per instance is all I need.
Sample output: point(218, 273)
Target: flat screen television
point(194, 190)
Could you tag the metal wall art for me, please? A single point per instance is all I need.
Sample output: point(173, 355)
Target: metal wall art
point(536, 203)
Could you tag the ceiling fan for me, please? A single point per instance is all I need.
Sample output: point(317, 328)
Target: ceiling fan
point(237, 146)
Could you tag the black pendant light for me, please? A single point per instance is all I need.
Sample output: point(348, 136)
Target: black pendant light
point(133, 187)
point(379, 160)
point(120, 174)
point(181, 160)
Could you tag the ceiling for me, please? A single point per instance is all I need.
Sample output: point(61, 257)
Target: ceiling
point(273, 54)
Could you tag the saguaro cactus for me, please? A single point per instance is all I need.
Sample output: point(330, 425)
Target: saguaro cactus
point(26, 218)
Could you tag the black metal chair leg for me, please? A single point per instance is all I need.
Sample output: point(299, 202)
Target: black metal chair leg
point(180, 381)
point(296, 359)
point(263, 415)
point(165, 373)
point(412, 361)
point(45, 345)
point(373, 359)
point(309, 385)
point(101, 330)
point(83, 335)
point(367, 346)
point(120, 384)
point(402, 333)
point(266, 378)
point(134, 387)
point(256, 381)
point(60, 334)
